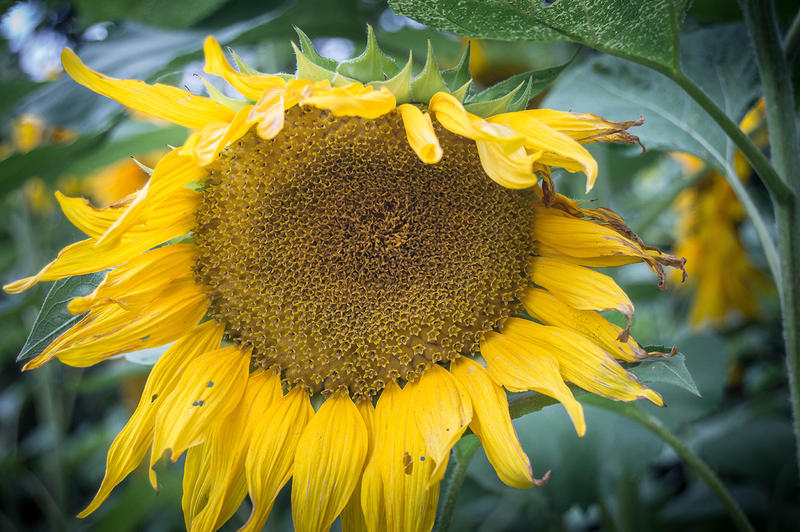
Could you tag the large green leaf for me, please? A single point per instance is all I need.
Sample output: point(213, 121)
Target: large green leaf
point(620, 90)
point(642, 30)
point(54, 318)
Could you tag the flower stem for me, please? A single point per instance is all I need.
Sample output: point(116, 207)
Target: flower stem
point(753, 154)
point(757, 159)
point(791, 42)
point(463, 452)
point(631, 411)
point(783, 136)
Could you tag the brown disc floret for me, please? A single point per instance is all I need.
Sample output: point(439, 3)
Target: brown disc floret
point(341, 259)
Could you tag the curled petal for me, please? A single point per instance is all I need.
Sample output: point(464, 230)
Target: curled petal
point(175, 219)
point(251, 86)
point(111, 329)
point(161, 101)
point(352, 100)
point(420, 133)
point(556, 148)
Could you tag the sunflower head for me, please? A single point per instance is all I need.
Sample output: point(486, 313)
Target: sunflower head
point(377, 239)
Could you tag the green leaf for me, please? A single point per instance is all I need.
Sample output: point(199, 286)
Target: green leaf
point(163, 13)
point(46, 162)
point(13, 91)
point(538, 80)
point(671, 370)
point(645, 30)
point(54, 318)
point(621, 90)
point(521, 88)
point(135, 145)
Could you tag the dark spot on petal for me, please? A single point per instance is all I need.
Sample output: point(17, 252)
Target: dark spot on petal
point(408, 463)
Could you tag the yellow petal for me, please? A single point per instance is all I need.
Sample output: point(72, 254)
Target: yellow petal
point(131, 444)
point(520, 368)
point(491, 422)
point(585, 127)
point(172, 172)
point(512, 169)
point(111, 330)
point(580, 287)
point(269, 113)
point(251, 86)
point(216, 136)
point(89, 219)
point(209, 389)
point(175, 218)
point(161, 101)
point(420, 134)
point(404, 464)
point(580, 361)
point(353, 100)
point(212, 494)
point(551, 311)
point(442, 410)
point(353, 518)
point(557, 148)
point(328, 463)
point(501, 149)
point(453, 117)
point(593, 244)
point(272, 452)
point(140, 280)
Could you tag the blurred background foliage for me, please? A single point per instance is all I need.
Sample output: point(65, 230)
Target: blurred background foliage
point(56, 423)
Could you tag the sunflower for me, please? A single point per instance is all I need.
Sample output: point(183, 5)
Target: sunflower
point(709, 217)
point(359, 239)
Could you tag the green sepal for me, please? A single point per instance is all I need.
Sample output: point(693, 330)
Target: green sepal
point(218, 97)
point(311, 53)
point(371, 65)
point(520, 101)
point(494, 106)
point(307, 69)
point(429, 81)
point(400, 85)
point(146, 169)
point(244, 68)
point(461, 92)
point(459, 75)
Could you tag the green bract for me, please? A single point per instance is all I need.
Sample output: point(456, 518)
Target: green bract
point(373, 67)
